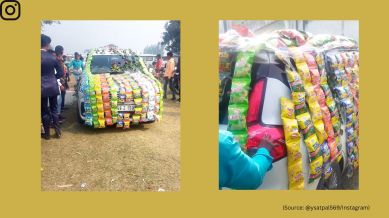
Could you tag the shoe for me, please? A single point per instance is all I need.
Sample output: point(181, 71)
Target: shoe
point(61, 119)
point(173, 99)
point(45, 136)
point(58, 133)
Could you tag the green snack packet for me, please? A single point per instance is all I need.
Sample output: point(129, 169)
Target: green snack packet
point(241, 138)
point(244, 62)
point(237, 117)
point(240, 91)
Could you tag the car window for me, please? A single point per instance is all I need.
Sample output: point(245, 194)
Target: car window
point(271, 111)
point(103, 63)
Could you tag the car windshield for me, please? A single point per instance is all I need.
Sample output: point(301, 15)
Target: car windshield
point(107, 64)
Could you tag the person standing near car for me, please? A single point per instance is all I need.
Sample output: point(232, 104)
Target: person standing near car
point(62, 82)
point(177, 79)
point(77, 65)
point(239, 171)
point(49, 88)
point(158, 66)
point(168, 76)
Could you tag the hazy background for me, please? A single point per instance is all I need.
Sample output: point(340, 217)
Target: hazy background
point(81, 35)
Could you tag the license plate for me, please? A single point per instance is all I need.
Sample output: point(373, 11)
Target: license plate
point(126, 107)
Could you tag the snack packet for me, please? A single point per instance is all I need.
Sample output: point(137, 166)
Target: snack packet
point(315, 168)
point(295, 81)
point(239, 91)
point(241, 138)
point(305, 123)
point(293, 151)
point(325, 151)
point(299, 102)
point(296, 176)
point(313, 146)
point(243, 64)
point(291, 130)
point(327, 170)
point(237, 117)
point(320, 131)
point(303, 71)
point(315, 109)
point(287, 108)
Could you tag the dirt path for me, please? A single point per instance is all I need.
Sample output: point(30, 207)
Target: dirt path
point(145, 158)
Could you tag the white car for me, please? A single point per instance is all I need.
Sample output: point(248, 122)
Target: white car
point(120, 96)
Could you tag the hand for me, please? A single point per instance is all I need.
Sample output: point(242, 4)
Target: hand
point(267, 142)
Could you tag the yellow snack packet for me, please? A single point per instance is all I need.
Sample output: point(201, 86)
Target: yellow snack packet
point(309, 90)
point(315, 109)
point(293, 150)
point(315, 168)
point(304, 121)
point(101, 123)
point(287, 108)
point(291, 129)
point(313, 145)
point(295, 175)
point(303, 70)
point(320, 131)
point(298, 98)
point(299, 186)
point(101, 114)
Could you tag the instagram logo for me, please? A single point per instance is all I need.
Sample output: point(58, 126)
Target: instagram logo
point(10, 10)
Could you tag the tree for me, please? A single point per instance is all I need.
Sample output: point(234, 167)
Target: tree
point(171, 36)
point(154, 49)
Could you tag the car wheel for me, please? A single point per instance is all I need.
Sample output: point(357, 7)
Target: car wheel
point(79, 111)
point(334, 181)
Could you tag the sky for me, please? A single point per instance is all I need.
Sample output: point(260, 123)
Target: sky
point(76, 36)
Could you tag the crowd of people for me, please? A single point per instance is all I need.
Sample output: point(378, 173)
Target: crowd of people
point(55, 76)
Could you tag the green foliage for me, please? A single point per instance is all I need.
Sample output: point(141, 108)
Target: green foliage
point(171, 36)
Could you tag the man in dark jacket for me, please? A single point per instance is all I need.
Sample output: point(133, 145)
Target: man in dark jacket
point(51, 70)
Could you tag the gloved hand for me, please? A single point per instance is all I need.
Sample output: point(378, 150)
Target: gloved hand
point(267, 143)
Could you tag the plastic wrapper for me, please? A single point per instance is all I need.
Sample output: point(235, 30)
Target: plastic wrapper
point(320, 131)
point(305, 123)
point(303, 71)
point(315, 109)
point(313, 146)
point(299, 102)
point(326, 153)
point(336, 124)
point(241, 138)
point(327, 170)
point(293, 151)
point(295, 81)
point(237, 117)
point(243, 64)
point(315, 168)
point(287, 108)
point(239, 91)
point(296, 176)
point(298, 38)
point(333, 148)
point(291, 130)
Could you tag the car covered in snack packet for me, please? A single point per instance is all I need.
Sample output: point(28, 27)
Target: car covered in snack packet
point(116, 89)
point(339, 64)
